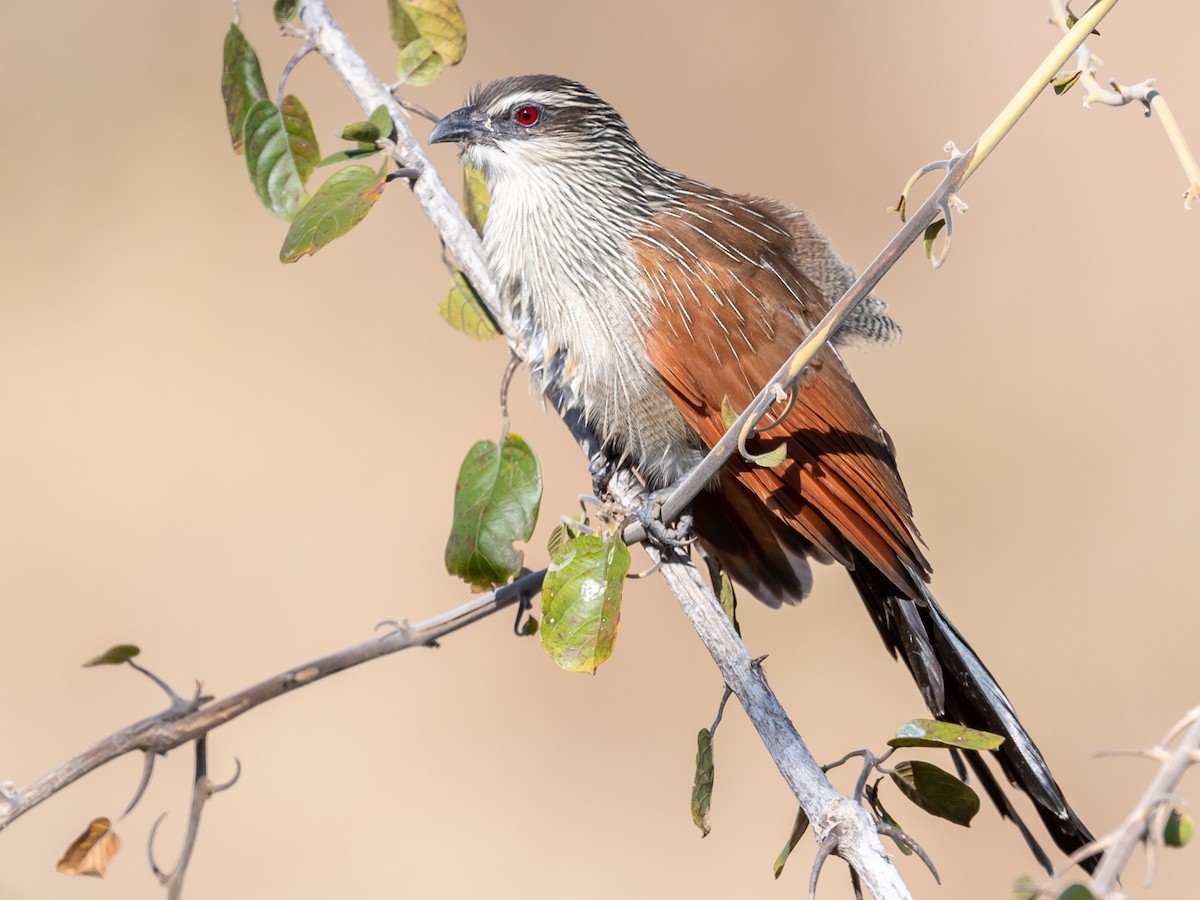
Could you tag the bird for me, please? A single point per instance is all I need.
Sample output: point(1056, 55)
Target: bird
point(649, 304)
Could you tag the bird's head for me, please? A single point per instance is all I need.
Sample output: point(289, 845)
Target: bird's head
point(526, 124)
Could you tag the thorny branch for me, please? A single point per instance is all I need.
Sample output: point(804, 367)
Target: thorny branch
point(173, 728)
point(1145, 823)
point(202, 791)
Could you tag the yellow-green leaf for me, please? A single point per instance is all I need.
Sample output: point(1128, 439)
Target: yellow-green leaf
point(771, 458)
point(931, 234)
point(932, 733)
point(281, 152)
point(702, 783)
point(438, 21)
point(581, 601)
point(419, 63)
point(1077, 892)
point(242, 83)
point(114, 656)
point(798, 828)
point(1178, 830)
point(728, 416)
point(364, 132)
point(476, 199)
point(465, 312)
point(723, 586)
point(496, 503)
point(338, 205)
point(1064, 83)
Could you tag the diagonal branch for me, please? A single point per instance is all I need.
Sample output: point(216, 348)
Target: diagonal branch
point(959, 169)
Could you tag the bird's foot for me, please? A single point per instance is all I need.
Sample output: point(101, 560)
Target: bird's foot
point(673, 536)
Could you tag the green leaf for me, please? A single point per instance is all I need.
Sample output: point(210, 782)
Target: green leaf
point(581, 601)
point(932, 733)
point(936, 791)
point(364, 132)
point(1178, 830)
point(419, 63)
point(931, 234)
point(281, 152)
point(476, 199)
point(347, 155)
point(242, 83)
point(464, 311)
point(496, 504)
point(871, 792)
point(338, 205)
point(382, 119)
point(114, 656)
point(702, 783)
point(1064, 83)
point(285, 10)
point(438, 21)
point(1077, 892)
point(798, 828)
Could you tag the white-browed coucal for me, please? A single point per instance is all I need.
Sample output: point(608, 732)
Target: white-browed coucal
point(647, 299)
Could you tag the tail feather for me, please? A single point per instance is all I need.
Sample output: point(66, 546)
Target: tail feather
point(970, 695)
point(772, 561)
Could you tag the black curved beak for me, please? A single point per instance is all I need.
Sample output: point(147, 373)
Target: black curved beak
point(461, 125)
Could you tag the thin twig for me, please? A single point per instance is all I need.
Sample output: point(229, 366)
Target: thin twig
point(1119, 95)
point(203, 790)
point(306, 48)
point(168, 730)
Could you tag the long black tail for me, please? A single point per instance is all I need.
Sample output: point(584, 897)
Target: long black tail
point(958, 688)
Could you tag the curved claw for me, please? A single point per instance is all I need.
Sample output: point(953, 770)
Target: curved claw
point(676, 537)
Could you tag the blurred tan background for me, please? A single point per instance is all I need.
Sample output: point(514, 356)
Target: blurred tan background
point(240, 465)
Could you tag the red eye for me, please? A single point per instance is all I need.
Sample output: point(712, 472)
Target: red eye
point(528, 115)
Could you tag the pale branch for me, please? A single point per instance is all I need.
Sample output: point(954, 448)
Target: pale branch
point(840, 825)
point(838, 822)
point(1119, 95)
point(1176, 753)
point(442, 210)
point(941, 202)
point(177, 726)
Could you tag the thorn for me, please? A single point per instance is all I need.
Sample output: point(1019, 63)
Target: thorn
point(217, 788)
point(147, 771)
point(900, 837)
point(826, 847)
